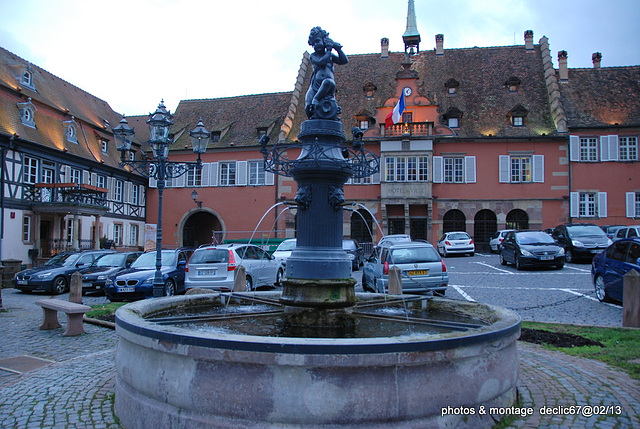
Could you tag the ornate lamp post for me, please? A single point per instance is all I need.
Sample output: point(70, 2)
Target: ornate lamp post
point(159, 167)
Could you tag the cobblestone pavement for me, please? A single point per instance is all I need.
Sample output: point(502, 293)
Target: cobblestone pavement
point(76, 389)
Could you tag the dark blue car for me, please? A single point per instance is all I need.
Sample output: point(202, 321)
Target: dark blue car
point(107, 265)
point(136, 282)
point(609, 267)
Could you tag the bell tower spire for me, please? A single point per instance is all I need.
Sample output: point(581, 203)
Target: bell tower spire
point(411, 37)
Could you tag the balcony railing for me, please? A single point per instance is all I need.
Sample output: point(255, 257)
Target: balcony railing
point(52, 246)
point(415, 129)
point(67, 194)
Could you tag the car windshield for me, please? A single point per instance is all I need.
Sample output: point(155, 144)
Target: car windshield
point(584, 231)
point(287, 245)
point(209, 256)
point(534, 238)
point(62, 259)
point(148, 260)
point(459, 236)
point(348, 245)
point(110, 260)
point(413, 255)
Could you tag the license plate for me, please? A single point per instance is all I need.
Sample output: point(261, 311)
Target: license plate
point(126, 289)
point(206, 272)
point(418, 272)
point(596, 251)
point(23, 282)
point(546, 258)
point(86, 284)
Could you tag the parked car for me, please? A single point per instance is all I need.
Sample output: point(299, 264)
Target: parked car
point(496, 239)
point(354, 252)
point(609, 267)
point(55, 275)
point(456, 242)
point(136, 282)
point(284, 249)
point(581, 241)
point(395, 238)
point(627, 232)
point(214, 267)
point(531, 249)
point(611, 230)
point(105, 266)
point(423, 270)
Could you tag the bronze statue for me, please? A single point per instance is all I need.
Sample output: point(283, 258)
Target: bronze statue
point(320, 101)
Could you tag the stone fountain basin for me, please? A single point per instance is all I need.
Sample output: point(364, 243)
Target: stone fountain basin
point(172, 376)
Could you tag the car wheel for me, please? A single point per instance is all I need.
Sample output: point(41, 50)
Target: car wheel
point(365, 285)
point(60, 285)
point(518, 263)
point(601, 292)
point(472, 253)
point(559, 266)
point(249, 282)
point(375, 286)
point(439, 292)
point(279, 276)
point(569, 256)
point(502, 260)
point(169, 288)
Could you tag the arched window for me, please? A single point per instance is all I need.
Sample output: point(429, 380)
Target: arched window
point(362, 226)
point(517, 219)
point(485, 224)
point(454, 220)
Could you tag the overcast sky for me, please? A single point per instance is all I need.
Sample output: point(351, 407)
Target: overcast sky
point(134, 53)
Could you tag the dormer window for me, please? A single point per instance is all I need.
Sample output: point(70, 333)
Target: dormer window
point(452, 117)
point(518, 116)
point(513, 83)
point(262, 131)
point(364, 120)
point(104, 146)
point(27, 78)
point(215, 136)
point(364, 125)
point(71, 130)
point(369, 90)
point(452, 86)
point(27, 111)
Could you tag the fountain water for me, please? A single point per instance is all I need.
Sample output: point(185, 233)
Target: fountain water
point(317, 354)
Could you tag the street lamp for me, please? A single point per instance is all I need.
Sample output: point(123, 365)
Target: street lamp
point(194, 196)
point(159, 167)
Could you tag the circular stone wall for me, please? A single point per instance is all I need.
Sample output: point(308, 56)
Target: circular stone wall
point(170, 376)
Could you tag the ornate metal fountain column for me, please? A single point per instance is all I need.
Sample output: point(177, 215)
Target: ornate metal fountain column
point(318, 270)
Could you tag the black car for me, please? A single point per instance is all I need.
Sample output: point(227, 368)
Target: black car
point(581, 241)
point(107, 265)
point(531, 249)
point(55, 275)
point(354, 252)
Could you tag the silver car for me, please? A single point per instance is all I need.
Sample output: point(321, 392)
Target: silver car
point(423, 270)
point(456, 242)
point(214, 267)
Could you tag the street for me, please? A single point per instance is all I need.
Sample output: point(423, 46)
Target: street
point(537, 294)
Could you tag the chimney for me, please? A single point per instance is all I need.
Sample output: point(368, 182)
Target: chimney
point(384, 47)
point(596, 57)
point(439, 44)
point(528, 40)
point(562, 65)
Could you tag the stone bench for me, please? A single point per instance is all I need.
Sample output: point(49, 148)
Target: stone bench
point(75, 313)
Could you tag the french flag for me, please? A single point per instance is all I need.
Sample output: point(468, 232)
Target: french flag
point(396, 115)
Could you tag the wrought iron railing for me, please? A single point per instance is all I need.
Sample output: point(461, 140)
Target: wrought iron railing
point(67, 193)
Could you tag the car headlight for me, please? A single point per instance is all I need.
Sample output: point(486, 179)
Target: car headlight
point(526, 253)
point(561, 251)
point(577, 243)
point(108, 282)
point(102, 278)
point(44, 275)
point(148, 281)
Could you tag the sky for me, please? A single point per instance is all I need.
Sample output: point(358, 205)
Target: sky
point(134, 53)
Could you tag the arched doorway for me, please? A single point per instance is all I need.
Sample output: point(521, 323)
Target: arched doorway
point(517, 219)
point(454, 220)
point(198, 229)
point(485, 224)
point(362, 226)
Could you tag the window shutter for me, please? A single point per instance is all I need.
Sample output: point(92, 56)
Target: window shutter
point(437, 169)
point(574, 148)
point(86, 177)
point(241, 173)
point(470, 169)
point(66, 174)
point(504, 162)
point(127, 192)
point(268, 178)
point(538, 168)
point(602, 204)
point(574, 200)
point(613, 148)
point(604, 148)
point(94, 179)
point(375, 179)
point(179, 182)
point(213, 174)
point(631, 204)
point(143, 196)
point(204, 174)
point(153, 183)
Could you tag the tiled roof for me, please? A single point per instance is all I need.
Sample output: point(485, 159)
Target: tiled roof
point(482, 95)
point(55, 101)
point(601, 97)
point(237, 118)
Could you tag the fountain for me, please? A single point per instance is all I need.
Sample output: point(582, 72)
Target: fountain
point(318, 354)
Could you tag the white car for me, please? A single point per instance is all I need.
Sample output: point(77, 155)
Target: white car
point(456, 242)
point(496, 239)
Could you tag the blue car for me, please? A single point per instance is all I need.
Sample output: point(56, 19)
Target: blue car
point(107, 265)
point(609, 267)
point(55, 275)
point(136, 282)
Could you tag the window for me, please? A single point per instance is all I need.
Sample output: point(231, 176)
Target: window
point(135, 195)
point(70, 228)
point(117, 192)
point(454, 170)
point(48, 172)
point(587, 204)
point(520, 169)
point(27, 78)
point(227, 173)
point(628, 148)
point(513, 83)
point(26, 229)
point(74, 175)
point(27, 111)
point(588, 149)
point(256, 173)
point(518, 121)
point(452, 86)
point(452, 122)
point(262, 132)
point(452, 90)
point(71, 130)
point(215, 136)
point(404, 169)
point(518, 115)
point(364, 125)
point(407, 117)
point(133, 233)
point(194, 176)
point(633, 204)
point(30, 170)
point(117, 234)
point(101, 181)
point(104, 145)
